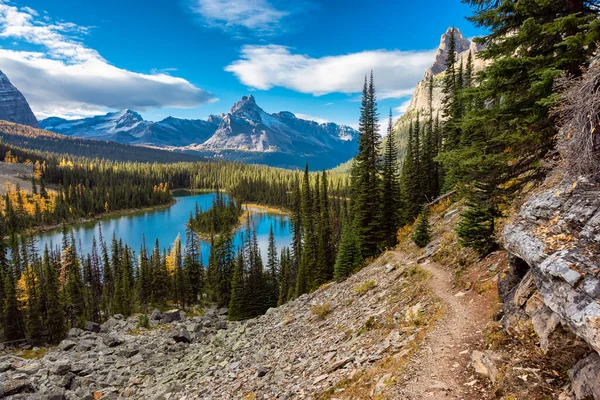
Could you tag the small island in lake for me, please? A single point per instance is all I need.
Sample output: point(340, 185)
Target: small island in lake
point(224, 215)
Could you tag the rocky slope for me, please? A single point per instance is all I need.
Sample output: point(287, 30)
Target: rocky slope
point(553, 284)
point(348, 335)
point(245, 133)
point(13, 105)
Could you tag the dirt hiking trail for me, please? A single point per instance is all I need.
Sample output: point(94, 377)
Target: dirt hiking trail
point(441, 367)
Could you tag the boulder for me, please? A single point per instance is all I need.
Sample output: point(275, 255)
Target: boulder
point(54, 394)
point(112, 324)
point(485, 364)
point(585, 378)
point(129, 352)
point(262, 371)
point(199, 336)
point(11, 387)
point(112, 340)
point(170, 316)
point(5, 366)
point(92, 327)
point(220, 325)
point(182, 336)
point(66, 345)
point(85, 345)
point(61, 368)
point(223, 311)
point(74, 332)
point(156, 315)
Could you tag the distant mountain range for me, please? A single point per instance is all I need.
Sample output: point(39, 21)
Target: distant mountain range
point(246, 133)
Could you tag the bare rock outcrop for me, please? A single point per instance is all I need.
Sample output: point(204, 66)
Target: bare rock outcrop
point(553, 284)
point(13, 106)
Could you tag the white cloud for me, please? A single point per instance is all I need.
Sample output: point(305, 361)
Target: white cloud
point(401, 109)
point(68, 78)
point(396, 72)
point(252, 16)
point(308, 117)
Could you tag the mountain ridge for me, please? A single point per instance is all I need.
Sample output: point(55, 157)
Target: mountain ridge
point(13, 105)
point(246, 132)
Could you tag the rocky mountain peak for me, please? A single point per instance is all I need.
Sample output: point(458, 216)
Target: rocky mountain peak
point(246, 105)
point(462, 44)
point(13, 105)
point(128, 115)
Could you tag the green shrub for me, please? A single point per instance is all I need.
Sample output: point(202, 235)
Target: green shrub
point(144, 321)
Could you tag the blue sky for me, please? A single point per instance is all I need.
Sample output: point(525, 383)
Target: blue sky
point(192, 58)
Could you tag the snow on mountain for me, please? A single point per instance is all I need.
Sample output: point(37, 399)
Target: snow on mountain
point(13, 105)
point(246, 128)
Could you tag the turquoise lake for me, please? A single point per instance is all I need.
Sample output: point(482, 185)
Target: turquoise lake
point(165, 225)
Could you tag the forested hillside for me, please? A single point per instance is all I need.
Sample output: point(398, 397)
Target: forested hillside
point(46, 141)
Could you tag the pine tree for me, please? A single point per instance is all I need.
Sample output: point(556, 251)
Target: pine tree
point(421, 235)
point(306, 271)
point(237, 301)
point(145, 275)
point(326, 252)
point(194, 267)
point(287, 285)
point(365, 174)
point(476, 228)
point(450, 91)
point(349, 258)
point(390, 199)
point(73, 287)
point(272, 270)
point(296, 221)
point(410, 181)
point(54, 320)
point(33, 321)
point(12, 318)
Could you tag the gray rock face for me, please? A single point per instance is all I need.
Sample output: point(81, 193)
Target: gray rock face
point(554, 278)
point(585, 377)
point(13, 105)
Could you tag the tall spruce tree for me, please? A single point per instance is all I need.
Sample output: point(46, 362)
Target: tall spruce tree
point(54, 320)
point(272, 270)
point(365, 174)
point(349, 258)
point(390, 199)
point(308, 261)
point(237, 310)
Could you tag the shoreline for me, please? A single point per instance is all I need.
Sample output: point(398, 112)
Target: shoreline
point(244, 217)
point(108, 215)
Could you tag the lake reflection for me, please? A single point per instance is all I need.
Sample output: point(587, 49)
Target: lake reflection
point(165, 225)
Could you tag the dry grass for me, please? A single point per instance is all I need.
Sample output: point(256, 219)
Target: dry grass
point(414, 289)
point(266, 209)
point(362, 288)
point(321, 311)
point(579, 116)
point(33, 354)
